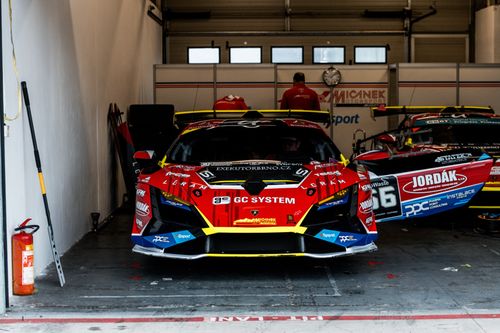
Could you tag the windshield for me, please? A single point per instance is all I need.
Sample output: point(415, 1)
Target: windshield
point(237, 143)
point(456, 134)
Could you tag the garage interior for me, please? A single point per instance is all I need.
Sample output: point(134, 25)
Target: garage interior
point(81, 57)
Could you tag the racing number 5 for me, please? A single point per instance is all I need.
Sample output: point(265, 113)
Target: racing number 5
point(384, 196)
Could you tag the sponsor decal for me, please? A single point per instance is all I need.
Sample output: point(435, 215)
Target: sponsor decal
point(255, 168)
point(183, 167)
point(337, 202)
point(453, 158)
point(434, 182)
point(330, 235)
point(173, 203)
point(414, 209)
point(366, 206)
point(368, 96)
point(328, 173)
point(266, 200)
point(461, 194)
point(176, 182)
point(140, 192)
point(170, 239)
point(142, 209)
point(256, 221)
point(177, 174)
point(182, 236)
point(251, 123)
point(385, 196)
point(139, 223)
point(369, 220)
point(146, 179)
point(221, 200)
point(325, 165)
point(339, 119)
point(329, 182)
point(206, 174)
point(366, 187)
point(161, 239)
point(345, 239)
point(495, 171)
point(440, 203)
point(301, 172)
point(461, 121)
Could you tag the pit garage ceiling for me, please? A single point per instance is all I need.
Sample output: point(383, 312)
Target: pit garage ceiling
point(321, 22)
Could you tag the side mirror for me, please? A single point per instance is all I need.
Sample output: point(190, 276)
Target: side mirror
point(144, 155)
point(143, 159)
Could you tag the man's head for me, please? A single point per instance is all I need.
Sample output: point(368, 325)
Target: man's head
point(299, 77)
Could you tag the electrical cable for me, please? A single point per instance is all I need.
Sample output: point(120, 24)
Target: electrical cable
point(16, 71)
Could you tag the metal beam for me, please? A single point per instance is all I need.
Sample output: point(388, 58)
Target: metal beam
point(4, 294)
point(284, 33)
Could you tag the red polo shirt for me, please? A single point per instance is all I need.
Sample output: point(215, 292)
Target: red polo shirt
point(300, 97)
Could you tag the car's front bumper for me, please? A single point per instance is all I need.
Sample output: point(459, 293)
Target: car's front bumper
point(157, 252)
point(314, 242)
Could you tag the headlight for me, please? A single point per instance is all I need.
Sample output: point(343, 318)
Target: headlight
point(338, 212)
point(171, 214)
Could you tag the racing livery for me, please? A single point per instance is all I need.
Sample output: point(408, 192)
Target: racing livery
point(251, 187)
point(435, 161)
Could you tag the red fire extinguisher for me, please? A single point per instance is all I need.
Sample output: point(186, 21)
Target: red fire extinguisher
point(23, 271)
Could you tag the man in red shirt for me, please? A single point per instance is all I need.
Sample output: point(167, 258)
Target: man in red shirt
point(230, 103)
point(300, 97)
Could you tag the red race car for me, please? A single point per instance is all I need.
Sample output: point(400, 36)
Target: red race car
point(253, 184)
point(439, 158)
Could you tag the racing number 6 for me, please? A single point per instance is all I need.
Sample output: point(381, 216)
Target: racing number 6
point(384, 196)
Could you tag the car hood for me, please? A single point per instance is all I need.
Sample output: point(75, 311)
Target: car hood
point(252, 194)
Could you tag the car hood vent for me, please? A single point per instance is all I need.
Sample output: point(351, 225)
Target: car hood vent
point(254, 187)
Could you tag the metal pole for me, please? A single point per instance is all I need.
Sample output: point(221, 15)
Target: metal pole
point(50, 229)
point(4, 289)
point(331, 112)
point(457, 100)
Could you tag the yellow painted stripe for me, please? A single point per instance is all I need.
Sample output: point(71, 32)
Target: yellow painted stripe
point(42, 184)
point(491, 189)
point(189, 130)
point(245, 111)
point(433, 107)
point(484, 207)
point(253, 230)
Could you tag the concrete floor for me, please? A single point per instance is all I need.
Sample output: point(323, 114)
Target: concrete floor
point(427, 275)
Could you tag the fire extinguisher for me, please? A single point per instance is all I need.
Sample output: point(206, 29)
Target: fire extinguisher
point(23, 271)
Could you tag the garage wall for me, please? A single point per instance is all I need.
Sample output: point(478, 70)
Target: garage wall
point(310, 23)
point(488, 35)
point(77, 57)
point(192, 87)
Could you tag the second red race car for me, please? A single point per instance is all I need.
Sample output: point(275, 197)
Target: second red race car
point(269, 184)
point(438, 159)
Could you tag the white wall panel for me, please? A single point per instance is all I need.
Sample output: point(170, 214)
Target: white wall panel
point(77, 57)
